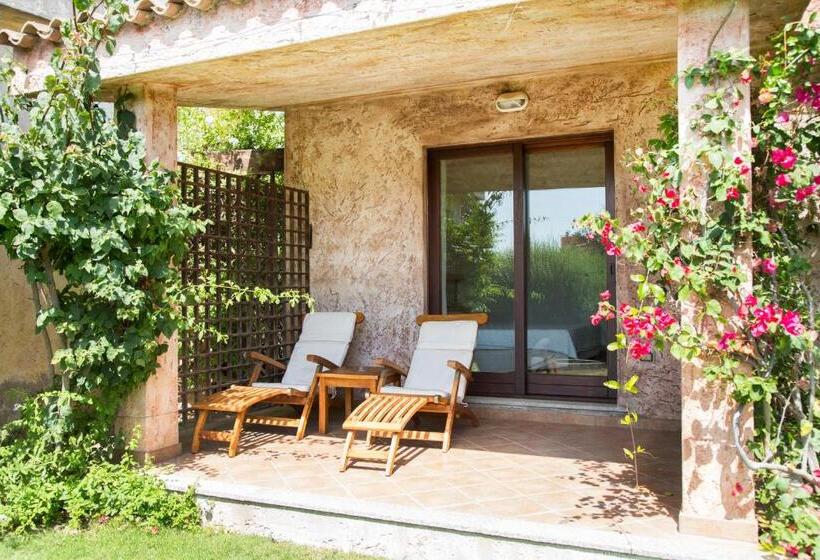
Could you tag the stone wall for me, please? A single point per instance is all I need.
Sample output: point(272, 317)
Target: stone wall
point(23, 362)
point(363, 162)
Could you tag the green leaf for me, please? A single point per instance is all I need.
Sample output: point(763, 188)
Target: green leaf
point(805, 428)
point(629, 453)
point(713, 308)
point(630, 385)
point(612, 384)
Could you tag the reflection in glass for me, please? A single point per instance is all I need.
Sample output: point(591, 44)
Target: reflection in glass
point(566, 271)
point(477, 251)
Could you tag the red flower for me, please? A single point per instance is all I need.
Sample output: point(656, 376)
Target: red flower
point(801, 95)
point(784, 157)
point(782, 117)
point(802, 194)
point(639, 348)
point(791, 323)
point(783, 180)
point(745, 76)
point(624, 308)
point(604, 296)
point(817, 180)
point(595, 319)
point(750, 300)
point(637, 227)
point(663, 319)
point(744, 169)
point(769, 266)
point(738, 160)
point(791, 550)
point(732, 193)
point(727, 337)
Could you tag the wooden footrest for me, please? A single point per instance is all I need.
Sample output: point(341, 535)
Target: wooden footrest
point(238, 398)
point(384, 413)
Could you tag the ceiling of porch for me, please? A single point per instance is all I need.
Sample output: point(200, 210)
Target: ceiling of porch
point(532, 37)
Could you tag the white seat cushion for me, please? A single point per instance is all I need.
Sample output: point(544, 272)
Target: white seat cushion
point(440, 342)
point(326, 334)
point(394, 390)
point(302, 388)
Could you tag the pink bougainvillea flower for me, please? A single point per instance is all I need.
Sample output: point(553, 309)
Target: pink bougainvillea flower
point(732, 193)
point(685, 267)
point(783, 180)
point(595, 319)
point(784, 157)
point(816, 180)
point(624, 308)
point(791, 549)
point(765, 97)
point(802, 194)
point(782, 117)
point(605, 295)
point(744, 169)
point(791, 323)
point(643, 188)
point(738, 160)
point(759, 329)
point(801, 95)
point(750, 300)
point(639, 348)
point(769, 266)
point(737, 490)
point(745, 76)
point(724, 341)
point(637, 227)
point(664, 319)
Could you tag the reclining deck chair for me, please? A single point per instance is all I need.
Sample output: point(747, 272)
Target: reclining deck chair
point(436, 382)
point(323, 344)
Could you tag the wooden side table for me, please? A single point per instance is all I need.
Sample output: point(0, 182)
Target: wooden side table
point(368, 378)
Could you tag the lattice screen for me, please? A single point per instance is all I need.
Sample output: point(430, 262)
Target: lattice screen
point(259, 236)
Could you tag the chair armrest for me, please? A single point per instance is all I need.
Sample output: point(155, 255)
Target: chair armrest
point(257, 357)
point(262, 359)
point(460, 368)
point(385, 363)
point(325, 363)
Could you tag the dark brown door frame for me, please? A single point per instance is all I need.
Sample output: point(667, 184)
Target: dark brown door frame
point(520, 385)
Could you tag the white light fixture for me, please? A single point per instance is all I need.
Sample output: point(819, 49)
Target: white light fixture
point(511, 102)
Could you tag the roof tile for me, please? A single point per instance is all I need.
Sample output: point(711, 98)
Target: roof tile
point(142, 13)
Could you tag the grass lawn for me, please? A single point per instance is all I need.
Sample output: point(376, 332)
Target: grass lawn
point(126, 543)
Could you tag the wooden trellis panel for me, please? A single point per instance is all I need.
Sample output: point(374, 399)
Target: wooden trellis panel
point(259, 235)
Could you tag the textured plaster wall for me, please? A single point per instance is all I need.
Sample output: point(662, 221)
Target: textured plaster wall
point(23, 362)
point(364, 165)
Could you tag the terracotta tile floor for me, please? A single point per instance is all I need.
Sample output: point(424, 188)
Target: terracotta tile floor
point(539, 472)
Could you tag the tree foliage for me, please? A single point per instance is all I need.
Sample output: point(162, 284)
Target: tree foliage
point(217, 130)
point(96, 228)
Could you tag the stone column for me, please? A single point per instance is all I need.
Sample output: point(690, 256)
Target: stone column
point(153, 406)
point(712, 503)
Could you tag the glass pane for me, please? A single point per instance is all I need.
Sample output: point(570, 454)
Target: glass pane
point(566, 270)
point(477, 251)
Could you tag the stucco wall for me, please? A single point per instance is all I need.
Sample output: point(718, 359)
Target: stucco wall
point(24, 366)
point(363, 162)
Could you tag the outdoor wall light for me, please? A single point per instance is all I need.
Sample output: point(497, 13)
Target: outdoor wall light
point(511, 102)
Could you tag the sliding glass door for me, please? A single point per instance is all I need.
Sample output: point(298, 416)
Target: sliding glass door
point(503, 241)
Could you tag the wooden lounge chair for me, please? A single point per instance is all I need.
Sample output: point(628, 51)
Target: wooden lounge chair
point(436, 383)
point(323, 344)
